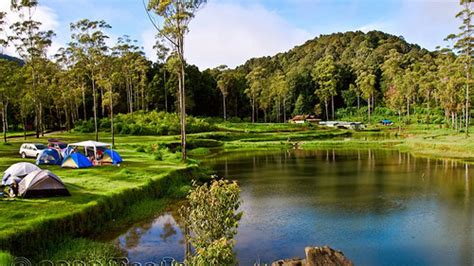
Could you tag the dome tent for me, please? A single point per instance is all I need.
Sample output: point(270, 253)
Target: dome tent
point(42, 183)
point(49, 156)
point(76, 160)
point(112, 157)
point(18, 170)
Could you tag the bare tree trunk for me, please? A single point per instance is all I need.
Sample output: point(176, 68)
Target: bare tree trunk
point(94, 97)
point(183, 97)
point(467, 101)
point(41, 119)
point(143, 97)
point(102, 107)
point(183, 113)
point(284, 110)
point(368, 109)
point(253, 109)
point(112, 131)
point(166, 93)
point(84, 102)
point(332, 106)
point(408, 108)
point(68, 125)
point(358, 102)
point(453, 123)
point(60, 119)
point(327, 112)
point(223, 107)
point(4, 122)
point(24, 128)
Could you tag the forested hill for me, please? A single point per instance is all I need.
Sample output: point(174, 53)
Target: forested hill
point(344, 47)
point(11, 58)
point(343, 73)
point(339, 67)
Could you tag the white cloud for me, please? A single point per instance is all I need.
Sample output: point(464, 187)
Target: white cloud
point(42, 13)
point(424, 22)
point(226, 33)
point(148, 40)
point(229, 33)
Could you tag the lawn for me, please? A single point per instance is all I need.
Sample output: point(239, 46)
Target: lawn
point(89, 187)
point(102, 194)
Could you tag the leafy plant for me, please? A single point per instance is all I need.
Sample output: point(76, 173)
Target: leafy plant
point(211, 220)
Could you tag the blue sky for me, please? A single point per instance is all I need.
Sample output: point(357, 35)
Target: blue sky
point(232, 31)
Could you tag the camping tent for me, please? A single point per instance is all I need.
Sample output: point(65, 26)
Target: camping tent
point(67, 151)
point(76, 160)
point(48, 156)
point(42, 183)
point(111, 157)
point(90, 147)
point(18, 170)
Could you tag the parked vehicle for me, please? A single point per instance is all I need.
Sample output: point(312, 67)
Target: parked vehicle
point(31, 149)
point(57, 145)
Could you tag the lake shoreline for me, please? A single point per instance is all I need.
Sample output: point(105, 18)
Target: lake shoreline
point(439, 146)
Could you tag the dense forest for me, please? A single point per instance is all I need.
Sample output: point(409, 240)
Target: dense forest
point(341, 73)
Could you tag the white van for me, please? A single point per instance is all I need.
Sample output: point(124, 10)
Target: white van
point(31, 149)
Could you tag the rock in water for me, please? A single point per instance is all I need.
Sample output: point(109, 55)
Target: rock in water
point(289, 262)
point(319, 256)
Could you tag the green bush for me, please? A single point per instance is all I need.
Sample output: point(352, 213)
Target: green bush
point(147, 123)
point(158, 156)
point(6, 258)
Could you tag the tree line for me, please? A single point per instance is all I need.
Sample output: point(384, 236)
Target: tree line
point(89, 79)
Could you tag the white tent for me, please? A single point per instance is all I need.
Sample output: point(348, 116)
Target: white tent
point(42, 183)
point(16, 171)
point(90, 144)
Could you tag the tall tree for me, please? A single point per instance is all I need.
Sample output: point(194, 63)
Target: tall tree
point(176, 16)
point(325, 75)
point(162, 53)
point(108, 77)
point(255, 81)
point(31, 43)
point(280, 89)
point(89, 38)
point(224, 84)
point(10, 80)
point(464, 45)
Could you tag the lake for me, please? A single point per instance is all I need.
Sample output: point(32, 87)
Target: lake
point(380, 207)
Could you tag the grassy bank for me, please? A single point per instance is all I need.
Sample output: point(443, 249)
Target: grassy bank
point(112, 198)
point(420, 140)
point(99, 195)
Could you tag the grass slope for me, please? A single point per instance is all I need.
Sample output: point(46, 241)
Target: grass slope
point(146, 162)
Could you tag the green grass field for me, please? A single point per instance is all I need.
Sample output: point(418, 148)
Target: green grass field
point(86, 185)
point(101, 186)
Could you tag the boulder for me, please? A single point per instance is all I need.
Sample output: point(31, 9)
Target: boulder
point(289, 262)
point(317, 256)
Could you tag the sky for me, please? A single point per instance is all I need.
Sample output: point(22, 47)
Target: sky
point(229, 32)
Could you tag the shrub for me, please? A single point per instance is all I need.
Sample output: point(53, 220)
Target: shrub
point(158, 156)
point(213, 218)
point(147, 123)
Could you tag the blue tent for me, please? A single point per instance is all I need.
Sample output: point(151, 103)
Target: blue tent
point(111, 156)
point(67, 151)
point(76, 160)
point(49, 156)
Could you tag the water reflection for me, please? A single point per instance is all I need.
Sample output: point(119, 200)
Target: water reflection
point(379, 207)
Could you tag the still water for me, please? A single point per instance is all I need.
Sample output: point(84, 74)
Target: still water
point(379, 207)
